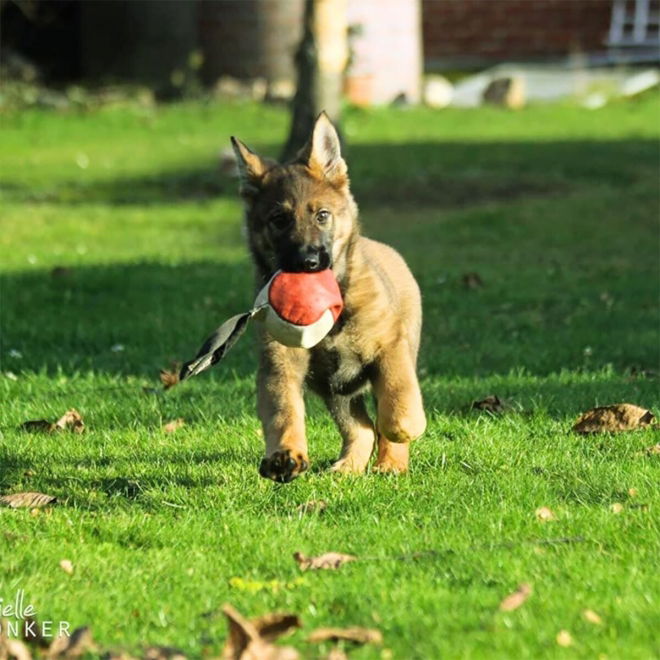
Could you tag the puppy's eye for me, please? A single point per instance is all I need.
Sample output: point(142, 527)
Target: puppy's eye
point(323, 216)
point(280, 219)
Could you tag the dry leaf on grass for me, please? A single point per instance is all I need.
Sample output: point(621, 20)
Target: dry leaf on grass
point(616, 507)
point(472, 281)
point(612, 419)
point(170, 378)
point(328, 561)
point(71, 420)
point(313, 506)
point(633, 492)
point(246, 643)
point(517, 598)
point(592, 617)
point(491, 403)
point(275, 625)
point(79, 642)
point(163, 653)
point(66, 566)
point(564, 638)
point(172, 426)
point(38, 426)
point(353, 634)
point(654, 450)
point(24, 500)
point(544, 514)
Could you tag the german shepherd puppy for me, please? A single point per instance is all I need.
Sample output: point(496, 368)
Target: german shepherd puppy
point(301, 216)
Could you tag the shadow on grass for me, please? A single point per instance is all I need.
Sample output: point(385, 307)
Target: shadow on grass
point(133, 319)
point(442, 174)
point(121, 319)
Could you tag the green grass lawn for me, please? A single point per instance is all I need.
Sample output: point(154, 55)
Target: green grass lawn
point(556, 209)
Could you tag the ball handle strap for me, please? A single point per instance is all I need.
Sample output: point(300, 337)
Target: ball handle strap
point(218, 344)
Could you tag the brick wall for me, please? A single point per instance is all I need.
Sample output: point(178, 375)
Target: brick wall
point(461, 32)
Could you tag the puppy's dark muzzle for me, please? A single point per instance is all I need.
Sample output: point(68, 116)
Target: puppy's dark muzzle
point(311, 259)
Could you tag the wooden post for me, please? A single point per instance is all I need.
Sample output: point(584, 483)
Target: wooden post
point(320, 62)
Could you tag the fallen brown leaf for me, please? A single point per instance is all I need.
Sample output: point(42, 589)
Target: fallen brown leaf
point(564, 638)
point(163, 653)
point(517, 598)
point(353, 634)
point(313, 506)
point(24, 500)
point(328, 561)
point(66, 647)
point(612, 419)
point(592, 617)
point(246, 643)
point(544, 514)
point(491, 403)
point(472, 281)
point(70, 420)
point(172, 426)
point(655, 449)
point(275, 625)
point(170, 378)
point(66, 566)
point(37, 426)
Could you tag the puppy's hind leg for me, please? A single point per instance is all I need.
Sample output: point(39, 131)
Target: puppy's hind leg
point(392, 456)
point(357, 432)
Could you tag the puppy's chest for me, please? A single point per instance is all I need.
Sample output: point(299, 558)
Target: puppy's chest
point(337, 366)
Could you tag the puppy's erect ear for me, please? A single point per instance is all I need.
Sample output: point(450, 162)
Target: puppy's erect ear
point(251, 168)
point(322, 153)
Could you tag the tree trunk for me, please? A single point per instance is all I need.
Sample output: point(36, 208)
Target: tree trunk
point(320, 61)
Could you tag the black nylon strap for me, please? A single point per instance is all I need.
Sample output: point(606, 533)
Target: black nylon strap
point(216, 346)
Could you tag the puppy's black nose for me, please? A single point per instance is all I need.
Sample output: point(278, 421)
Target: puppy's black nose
point(311, 261)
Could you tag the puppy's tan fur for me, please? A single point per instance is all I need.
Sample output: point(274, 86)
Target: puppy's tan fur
point(376, 339)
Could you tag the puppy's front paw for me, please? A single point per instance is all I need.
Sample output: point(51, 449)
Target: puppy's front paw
point(283, 466)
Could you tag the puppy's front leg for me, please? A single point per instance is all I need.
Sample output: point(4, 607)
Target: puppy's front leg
point(281, 409)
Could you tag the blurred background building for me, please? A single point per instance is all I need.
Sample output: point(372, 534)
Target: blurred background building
point(392, 42)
